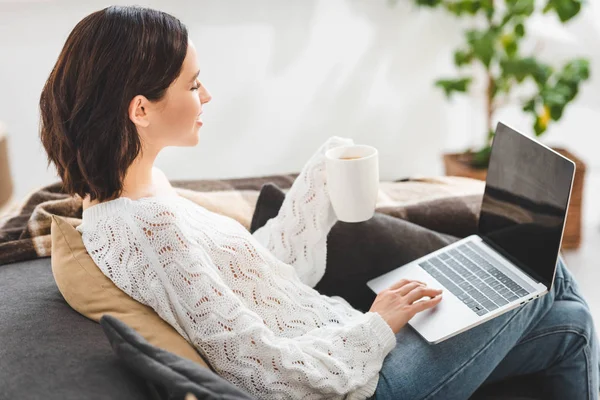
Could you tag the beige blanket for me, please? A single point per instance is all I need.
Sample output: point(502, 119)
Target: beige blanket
point(445, 204)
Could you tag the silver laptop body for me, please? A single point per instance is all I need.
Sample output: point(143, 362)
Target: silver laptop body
point(512, 260)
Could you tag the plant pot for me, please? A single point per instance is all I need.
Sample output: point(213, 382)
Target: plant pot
point(455, 164)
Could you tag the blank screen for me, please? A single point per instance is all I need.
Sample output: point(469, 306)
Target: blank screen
point(525, 202)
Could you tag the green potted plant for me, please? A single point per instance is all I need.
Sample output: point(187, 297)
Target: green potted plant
point(494, 46)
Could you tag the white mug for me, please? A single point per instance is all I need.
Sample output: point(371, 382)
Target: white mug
point(353, 184)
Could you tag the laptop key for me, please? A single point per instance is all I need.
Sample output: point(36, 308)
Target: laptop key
point(493, 296)
point(480, 282)
point(464, 285)
point(470, 302)
point(437, 263)
point(451, 274)
point(463, 296)
point(512, 298)
point(455, 290)
point(487, 303)
point(481, 312)
point(481, 274)
point(426, 266)
point(515, 287)
point(435, 273)
point(497, 300)
point(448, 285)
point(496, 285)
point(501, 301)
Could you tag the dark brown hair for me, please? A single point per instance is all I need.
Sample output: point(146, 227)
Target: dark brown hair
point(111, 56)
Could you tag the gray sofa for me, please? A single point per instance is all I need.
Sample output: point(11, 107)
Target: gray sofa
point(49, 351)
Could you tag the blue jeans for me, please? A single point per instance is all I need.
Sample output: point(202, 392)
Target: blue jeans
point(553, 335)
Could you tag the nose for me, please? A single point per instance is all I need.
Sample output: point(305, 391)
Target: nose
point(205, 96)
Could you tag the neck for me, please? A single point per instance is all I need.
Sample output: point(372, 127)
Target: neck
point(139, 180)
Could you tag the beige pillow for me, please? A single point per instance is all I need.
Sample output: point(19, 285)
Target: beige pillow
point(91, 293)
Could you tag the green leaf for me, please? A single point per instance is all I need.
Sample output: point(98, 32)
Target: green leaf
point(556, 111)
point(538, 128)
point(453, 85)
point(576, 70)
point(462, 57)
point(520, 7)
point(428, 3)
point(567, 91)
point(552, 97)
point(565, 9)
point(481, 158)
point(529, 105)
point(520, 30)
point(482, 43)
point(519, 68)
point(509, 43)
point(488, 7)
point(541, 73)
point(460, 7)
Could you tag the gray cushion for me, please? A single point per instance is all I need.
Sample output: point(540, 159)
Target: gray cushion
point(49, 351)
point(172, 376)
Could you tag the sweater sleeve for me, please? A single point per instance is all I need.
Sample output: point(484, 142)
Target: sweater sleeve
point(189, 293)
point(298, 234)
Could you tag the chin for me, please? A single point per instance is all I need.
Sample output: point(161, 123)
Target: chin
point(192, 142)
point(194, 139)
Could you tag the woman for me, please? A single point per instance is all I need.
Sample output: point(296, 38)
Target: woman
point(124, 87)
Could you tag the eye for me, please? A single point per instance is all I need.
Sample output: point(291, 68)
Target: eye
point(197, 86)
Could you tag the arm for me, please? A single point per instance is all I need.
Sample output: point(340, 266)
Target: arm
point(183, 285)
point(298, 234)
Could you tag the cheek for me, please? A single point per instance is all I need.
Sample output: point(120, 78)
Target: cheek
point(183, 111)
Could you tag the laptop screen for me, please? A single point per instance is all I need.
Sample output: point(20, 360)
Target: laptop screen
point(525, 202)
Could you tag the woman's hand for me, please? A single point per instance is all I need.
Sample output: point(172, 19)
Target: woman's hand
point(398, 304)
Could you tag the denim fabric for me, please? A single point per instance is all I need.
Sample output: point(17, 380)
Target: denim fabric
point(553, 335)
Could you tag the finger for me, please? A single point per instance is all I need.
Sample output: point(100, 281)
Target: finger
point(420, 292)
point(402, 291)
point(403, 282)
point(399, 284)
point(425, 304)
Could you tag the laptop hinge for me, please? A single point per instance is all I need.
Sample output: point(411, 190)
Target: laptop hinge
point(526, 270)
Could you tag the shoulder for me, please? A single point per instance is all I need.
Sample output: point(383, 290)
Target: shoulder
point(160, 176)
point(161, 182)
point(157, 172)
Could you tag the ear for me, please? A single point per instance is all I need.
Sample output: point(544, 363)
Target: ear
point(138, 111)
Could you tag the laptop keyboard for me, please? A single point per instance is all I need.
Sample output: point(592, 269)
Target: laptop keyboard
point(470, 274)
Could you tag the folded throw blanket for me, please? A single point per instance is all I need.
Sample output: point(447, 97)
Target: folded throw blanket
point(445, 204)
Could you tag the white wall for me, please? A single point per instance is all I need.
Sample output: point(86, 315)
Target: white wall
point(285, 75)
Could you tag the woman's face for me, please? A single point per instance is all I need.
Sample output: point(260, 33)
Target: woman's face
point(176, 119)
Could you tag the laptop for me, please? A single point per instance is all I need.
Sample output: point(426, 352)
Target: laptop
point(512, 260)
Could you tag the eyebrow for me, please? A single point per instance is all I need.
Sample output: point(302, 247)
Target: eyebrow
point(195, 76)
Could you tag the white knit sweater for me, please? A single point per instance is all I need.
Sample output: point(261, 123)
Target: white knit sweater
point(246, 301)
